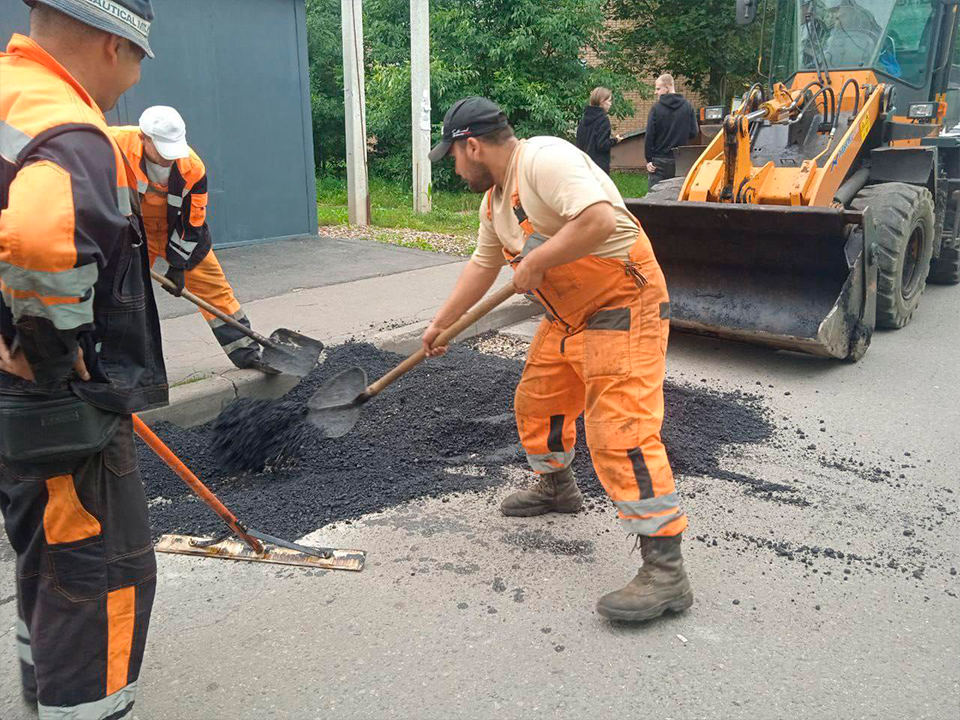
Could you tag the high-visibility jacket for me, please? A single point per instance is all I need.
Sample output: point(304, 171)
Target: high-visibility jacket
point(73, 263)
point(175, 216)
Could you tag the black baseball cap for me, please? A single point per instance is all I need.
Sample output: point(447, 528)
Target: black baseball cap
point(470, 117)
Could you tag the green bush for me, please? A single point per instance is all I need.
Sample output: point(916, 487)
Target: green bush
point(526, 55)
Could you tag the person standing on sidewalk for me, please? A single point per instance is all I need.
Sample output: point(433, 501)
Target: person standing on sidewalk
point(560, 222)
point(172, 182)
point(672, 122)
point(79, 353)
point(594, 134)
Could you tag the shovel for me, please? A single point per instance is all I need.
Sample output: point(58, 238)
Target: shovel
point(335, 408)
point(285, 351)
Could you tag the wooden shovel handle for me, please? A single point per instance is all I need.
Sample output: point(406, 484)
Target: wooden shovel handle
point(201, 303)
point(202, 491)
point(465, 321)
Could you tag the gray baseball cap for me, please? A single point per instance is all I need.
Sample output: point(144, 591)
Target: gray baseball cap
point(128, 19)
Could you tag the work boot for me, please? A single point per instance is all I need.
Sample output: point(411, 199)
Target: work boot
point(553, 492)
point(661, 584)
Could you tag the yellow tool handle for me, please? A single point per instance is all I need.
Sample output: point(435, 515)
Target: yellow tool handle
point(465, 321)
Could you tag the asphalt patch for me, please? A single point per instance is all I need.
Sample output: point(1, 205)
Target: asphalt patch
point(443, 428)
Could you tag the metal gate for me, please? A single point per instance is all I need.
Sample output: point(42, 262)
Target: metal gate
point(237, 71)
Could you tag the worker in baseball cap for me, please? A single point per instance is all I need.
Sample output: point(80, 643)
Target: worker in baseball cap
point(129, 19)
point(172, 181)
point(80, 351)
point(558, 220)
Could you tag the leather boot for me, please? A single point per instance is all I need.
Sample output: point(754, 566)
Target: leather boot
point(553, 492)
point(661, 584)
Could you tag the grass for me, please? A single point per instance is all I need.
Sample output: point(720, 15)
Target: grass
point(450, 227)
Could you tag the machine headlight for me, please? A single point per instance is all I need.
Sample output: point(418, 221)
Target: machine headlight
point(922, 111)
point(714, 112)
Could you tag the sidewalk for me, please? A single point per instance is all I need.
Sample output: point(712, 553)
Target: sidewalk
point(329, 289)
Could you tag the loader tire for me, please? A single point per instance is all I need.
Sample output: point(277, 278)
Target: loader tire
point(666, 189)
point(905, 225)
point(945, 270)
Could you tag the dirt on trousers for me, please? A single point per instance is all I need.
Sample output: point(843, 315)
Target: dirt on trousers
point(446, 427)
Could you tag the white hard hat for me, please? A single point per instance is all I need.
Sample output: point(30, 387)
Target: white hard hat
point(166, 128)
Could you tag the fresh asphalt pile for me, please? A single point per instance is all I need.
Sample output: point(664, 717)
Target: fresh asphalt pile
point(445, 427)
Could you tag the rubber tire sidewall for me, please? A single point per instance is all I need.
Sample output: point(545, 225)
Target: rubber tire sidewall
point(668, 189)
point(898, 210)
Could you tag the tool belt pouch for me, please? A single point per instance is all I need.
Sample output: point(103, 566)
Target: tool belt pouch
point(60, 428)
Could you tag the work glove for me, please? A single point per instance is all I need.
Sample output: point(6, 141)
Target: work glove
point(175, 276)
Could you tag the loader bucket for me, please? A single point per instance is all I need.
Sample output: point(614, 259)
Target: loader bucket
point(793, 278)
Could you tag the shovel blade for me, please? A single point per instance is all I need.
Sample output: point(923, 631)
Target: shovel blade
point(335, 408)
point(294, 354)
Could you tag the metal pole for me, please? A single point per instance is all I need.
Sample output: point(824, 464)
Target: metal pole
point(420, 102)
point(358, 198)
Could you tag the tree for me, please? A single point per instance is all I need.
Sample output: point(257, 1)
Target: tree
point(526, 55)
point(699, 41)
point(324, 47)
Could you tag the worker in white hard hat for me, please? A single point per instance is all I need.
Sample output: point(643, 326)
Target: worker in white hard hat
point(172, 182)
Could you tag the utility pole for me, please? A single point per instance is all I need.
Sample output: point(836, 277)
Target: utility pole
point(420, 102)
point(355, 107)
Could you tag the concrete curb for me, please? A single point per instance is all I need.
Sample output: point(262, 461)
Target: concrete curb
point(198, 402)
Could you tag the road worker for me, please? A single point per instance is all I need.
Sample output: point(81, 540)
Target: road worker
point(558, 220)
point(79, 352)
point(172, 182)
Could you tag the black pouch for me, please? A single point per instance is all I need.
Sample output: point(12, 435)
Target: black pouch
point(59, 428)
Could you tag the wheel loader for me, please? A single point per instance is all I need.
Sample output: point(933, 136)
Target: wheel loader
point(830, 196)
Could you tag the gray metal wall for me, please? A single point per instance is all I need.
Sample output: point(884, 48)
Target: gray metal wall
point(237, 71)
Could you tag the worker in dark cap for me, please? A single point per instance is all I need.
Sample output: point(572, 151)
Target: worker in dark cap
point(79, 353)
point(558, 220)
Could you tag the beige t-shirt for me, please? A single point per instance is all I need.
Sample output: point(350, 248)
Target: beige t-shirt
point(558, 182)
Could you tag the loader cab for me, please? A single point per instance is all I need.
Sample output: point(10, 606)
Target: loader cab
point(905, 43)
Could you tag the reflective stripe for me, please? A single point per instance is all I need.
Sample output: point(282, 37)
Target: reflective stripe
point(12, 141)
point(22, 630)
point(174, 200)
point(113, 706)
point(142, 186)
point(124, 201)
point(74, 282)
point(550, 462)
point(63, 315)
point(534, 240)
point(649, 506)
point(237, 344)
point(648, 526)
point(23, 647)
point(216, 322)
point(615, 319)
point(183, 247)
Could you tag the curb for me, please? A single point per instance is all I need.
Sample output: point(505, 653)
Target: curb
point(201, 401)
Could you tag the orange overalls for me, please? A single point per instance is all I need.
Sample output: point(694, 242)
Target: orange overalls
point(203, 277)
point(601, 351)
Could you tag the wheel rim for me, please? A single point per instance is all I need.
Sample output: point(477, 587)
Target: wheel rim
point(910, 275)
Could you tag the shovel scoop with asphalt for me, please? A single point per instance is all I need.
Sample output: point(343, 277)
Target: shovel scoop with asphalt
point(335, 408)
point(285, 351)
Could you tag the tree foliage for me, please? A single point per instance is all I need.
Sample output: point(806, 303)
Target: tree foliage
point(526, 55)
point(699, 41)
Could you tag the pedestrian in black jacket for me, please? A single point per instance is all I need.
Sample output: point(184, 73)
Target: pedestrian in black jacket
point(672, 122)
point(594, 132)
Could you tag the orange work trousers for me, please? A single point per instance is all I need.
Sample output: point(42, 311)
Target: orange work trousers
point(612, 371)
point(207, 281)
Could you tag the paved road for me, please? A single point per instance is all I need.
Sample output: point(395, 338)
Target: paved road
point(462, 614)
point(277, 268)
